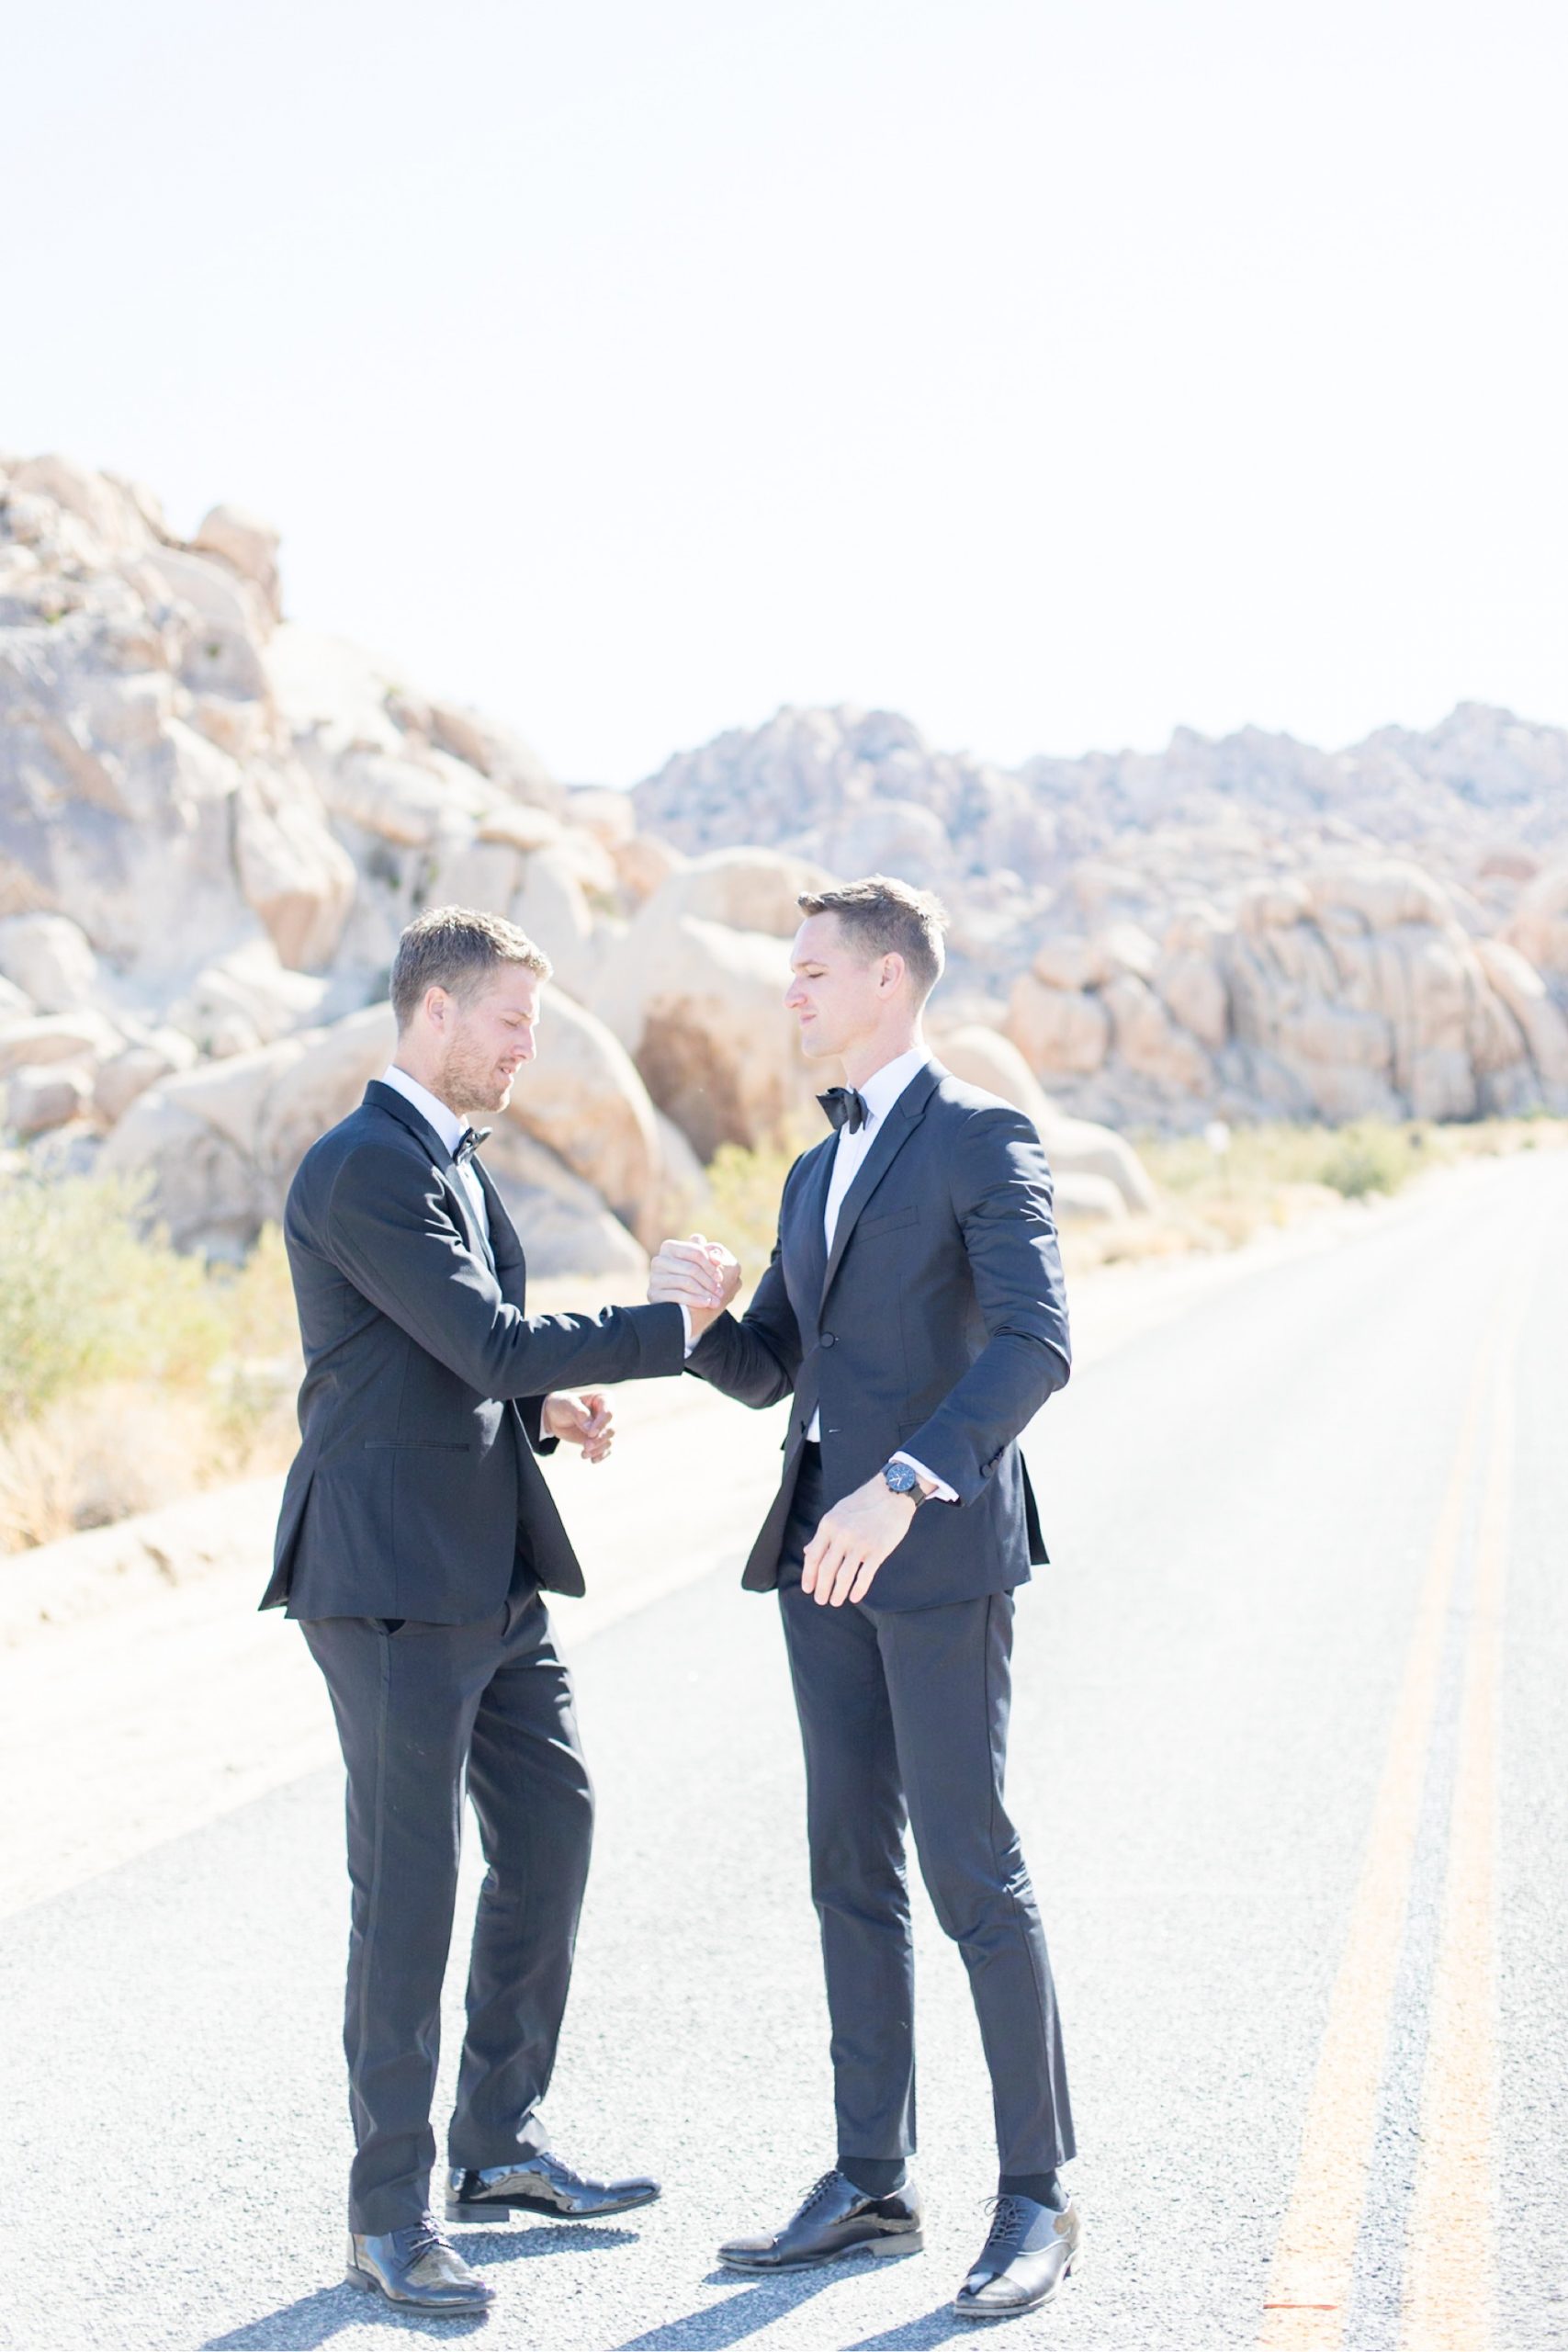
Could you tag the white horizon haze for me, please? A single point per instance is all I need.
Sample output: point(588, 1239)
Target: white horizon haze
point(1056, 376)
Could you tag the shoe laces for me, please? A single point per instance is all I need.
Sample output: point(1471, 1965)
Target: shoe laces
point(426, 2237)
point(818, 2189)
point(1010, 2218)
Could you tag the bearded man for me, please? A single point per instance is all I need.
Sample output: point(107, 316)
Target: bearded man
point(416, 1541)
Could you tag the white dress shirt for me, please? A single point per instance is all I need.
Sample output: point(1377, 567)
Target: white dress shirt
point(879, 1094)
point(448, 1126)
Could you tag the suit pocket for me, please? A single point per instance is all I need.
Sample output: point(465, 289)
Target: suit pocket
point(890, 1222)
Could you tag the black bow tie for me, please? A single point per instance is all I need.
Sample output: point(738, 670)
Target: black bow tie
point(467, 1143)
point(845, 1108)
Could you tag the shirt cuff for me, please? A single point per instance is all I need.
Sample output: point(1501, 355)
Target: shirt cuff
point(686, 1324)
point(940, 1492)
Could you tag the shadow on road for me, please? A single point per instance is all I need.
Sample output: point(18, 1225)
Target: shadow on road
point(712, 2326)
point(332, 2311)
point(917, 2334)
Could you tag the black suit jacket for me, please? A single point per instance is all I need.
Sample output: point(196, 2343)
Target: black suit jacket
point(419, 1416)
point(938, 1327)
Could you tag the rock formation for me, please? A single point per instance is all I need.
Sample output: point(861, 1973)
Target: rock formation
point(1249, 928)
point(213, 827)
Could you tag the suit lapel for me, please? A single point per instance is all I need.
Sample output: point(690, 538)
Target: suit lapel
point(386, 1097)
point(889, 1141)
point(806, 1244)
point(505, 1248)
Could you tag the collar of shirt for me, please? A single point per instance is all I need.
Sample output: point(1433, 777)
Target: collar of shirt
point(884, 1087)
point(448, 1124)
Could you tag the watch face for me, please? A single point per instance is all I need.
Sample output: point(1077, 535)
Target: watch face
point(900, 1478)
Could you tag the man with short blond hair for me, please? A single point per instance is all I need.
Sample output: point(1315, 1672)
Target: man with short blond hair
point(416, 1540)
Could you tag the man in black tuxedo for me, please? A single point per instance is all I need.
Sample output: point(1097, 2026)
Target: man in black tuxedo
point(416, 1540)
point(914, 1312)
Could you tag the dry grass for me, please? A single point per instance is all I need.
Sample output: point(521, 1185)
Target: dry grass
point(129, 1375)
point(1273, 1175)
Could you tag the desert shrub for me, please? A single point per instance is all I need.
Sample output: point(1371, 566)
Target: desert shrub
point(86, 1296)
point(744, 1211)
point(129, 1374)
point(1370, 1158)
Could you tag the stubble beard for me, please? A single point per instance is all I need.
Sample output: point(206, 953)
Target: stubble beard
point(470, 1085)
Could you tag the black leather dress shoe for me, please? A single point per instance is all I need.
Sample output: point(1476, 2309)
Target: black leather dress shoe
point(1030, 2249)
point(836, 2218)
point(541, 2183)
point(417, 2269)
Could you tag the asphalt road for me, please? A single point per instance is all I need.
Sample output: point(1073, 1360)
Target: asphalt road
point(1290, 1759)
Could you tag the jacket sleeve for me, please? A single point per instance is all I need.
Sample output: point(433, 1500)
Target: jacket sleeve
point(754, 1360)
point(1002, 1198)
point(388, 1228)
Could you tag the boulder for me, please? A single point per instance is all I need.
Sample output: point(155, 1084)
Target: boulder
point(683, 1192)
point(1381, 893)
point(1077, 1149)
point(1083, 1147)
point(1541, 1024)
point(221, 1144)
point(299, 879)
point(41, 1096)
point(84, 1038)
point(1193, 989)
point(1083, 1199)
point(1070, 962)
point(552, 908)
point(202, 1191)
point(643, 864)
point(584, 1101)
point(50, 958)
point(985, 1058)
point(248, 546)
point(611, 816)
point(1058, 1031)
point(519, 825)
point(248, 996)
point(396, 798)
point(700, 1009)
point(510, 763)
point(1148, 1041)
point(564, 1226)
point(746, 889)
point(1539, 928)
point(127, 1075)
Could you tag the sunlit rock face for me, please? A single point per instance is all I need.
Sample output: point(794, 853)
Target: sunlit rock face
point(213, 826)
point(1250, 927)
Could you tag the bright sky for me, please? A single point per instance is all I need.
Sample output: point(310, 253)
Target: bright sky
point(1054, 373)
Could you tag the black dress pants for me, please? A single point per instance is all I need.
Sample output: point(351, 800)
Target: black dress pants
point(904, 1717)
point(424, 1712)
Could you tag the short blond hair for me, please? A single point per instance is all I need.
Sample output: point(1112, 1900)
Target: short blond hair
point(456, 948)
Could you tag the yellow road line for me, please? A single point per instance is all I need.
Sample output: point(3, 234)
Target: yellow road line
point(1449, 2250)
point(1310, 2279)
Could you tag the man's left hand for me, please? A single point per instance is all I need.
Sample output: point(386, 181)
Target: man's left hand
point(852, 1541)
point(585, 1421)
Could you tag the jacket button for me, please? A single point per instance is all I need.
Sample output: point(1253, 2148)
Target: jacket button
point(829, 1340)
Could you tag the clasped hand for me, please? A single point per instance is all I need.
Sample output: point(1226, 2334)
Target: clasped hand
point(587, 1420)
point(700, 1275)
point(852, 1541)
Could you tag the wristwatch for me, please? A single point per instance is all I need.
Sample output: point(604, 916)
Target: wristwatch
point(903, 1478)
